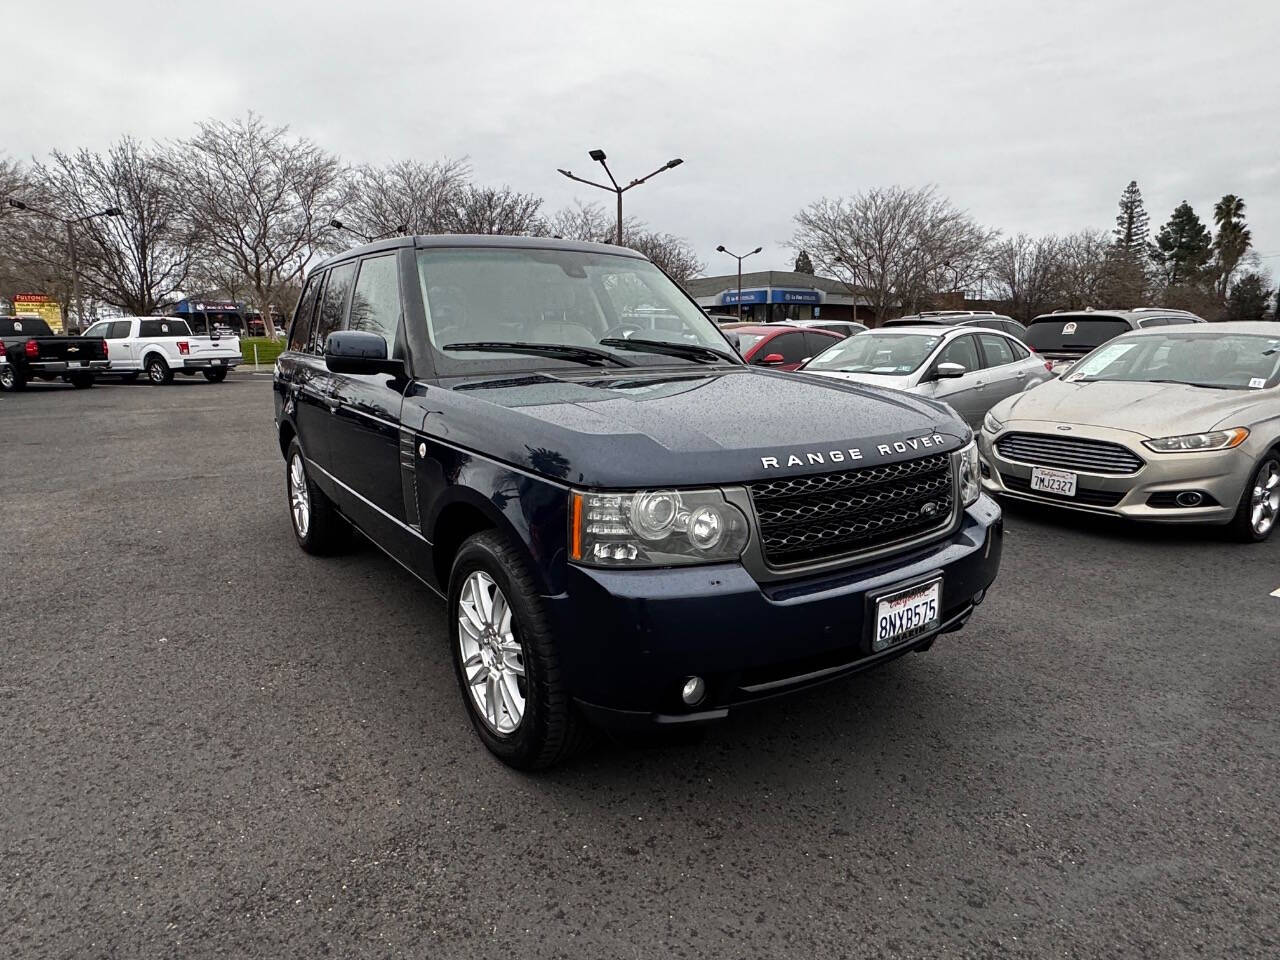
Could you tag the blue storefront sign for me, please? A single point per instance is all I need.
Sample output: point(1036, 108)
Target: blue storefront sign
point(748, 296)
point(795, 296)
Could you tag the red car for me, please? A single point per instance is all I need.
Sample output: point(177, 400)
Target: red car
point(780, 345)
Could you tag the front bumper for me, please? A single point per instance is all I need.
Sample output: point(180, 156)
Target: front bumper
point(629, 639)
point(1220, 476)
point(211, 363)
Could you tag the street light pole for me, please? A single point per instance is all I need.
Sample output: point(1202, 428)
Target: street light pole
point(70, 223)
point(598, 155)
point(395, 231)
point(721, 249)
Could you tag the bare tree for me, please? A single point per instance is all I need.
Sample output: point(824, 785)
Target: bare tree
point(1027, 272)
point(258, 202)
point(896, 246)
point(425, 197)
point(138, 260)
point(589, 221)
point(496, 210)
point(1082, 269)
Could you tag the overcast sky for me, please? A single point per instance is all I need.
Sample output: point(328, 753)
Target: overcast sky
point(1031, 115)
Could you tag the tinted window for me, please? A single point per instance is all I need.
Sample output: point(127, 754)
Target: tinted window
point(25, 326)
point(120, 330)
point(300, 332)
point(1074, 332)
point(790, 345)
point(1177, 320)
point(1019, 351)
point(961, 350)
point(333, 304)
point(1153, 322)
point(996, 349)
point(815, 343)
point(375, 304)
point(1014, 328)
point(163, 327)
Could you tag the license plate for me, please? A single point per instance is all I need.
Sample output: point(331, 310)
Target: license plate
point(906, 613)
point(1060, 482)
point(216, 363)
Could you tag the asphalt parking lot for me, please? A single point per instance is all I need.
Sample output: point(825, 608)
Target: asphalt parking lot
point(215, 745)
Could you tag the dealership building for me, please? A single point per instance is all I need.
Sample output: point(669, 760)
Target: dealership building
point(770, 296)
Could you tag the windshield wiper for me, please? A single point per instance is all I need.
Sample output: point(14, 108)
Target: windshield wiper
point(557, 351)
point(1207, 386)
point(689, 351)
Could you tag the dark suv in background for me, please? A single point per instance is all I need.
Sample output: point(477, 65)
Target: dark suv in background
point(630, 526)
point(1064, 336)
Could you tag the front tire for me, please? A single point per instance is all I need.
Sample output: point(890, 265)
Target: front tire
point(505, 658)
point(317, 526)
point(158, 372)
point(215, 376)
point(1259, 508)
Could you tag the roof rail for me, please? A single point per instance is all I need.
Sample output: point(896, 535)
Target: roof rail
point(1188, 313)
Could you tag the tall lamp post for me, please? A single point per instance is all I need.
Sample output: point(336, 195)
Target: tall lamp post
point(70, 223)
point(395, 232)
point(721, 249)
point(598, 156)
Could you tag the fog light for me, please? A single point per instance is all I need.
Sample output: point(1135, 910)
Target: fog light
point(979, 597)
point(1189, 498)
point(694, 689)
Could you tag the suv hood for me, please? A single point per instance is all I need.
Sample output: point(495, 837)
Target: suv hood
point(645, 428)
point(1149, 409)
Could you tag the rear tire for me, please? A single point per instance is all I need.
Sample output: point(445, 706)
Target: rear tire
point(215, 376)
point(549, 728)
point(11, 380)
point(158, 372)
point(317, 525)
point(81, 381)
point(1259, 508)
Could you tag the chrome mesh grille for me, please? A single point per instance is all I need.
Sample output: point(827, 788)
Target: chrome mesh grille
point(808, 518)
point(1069, 453)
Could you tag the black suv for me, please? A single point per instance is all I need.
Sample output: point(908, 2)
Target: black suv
point(630, 526)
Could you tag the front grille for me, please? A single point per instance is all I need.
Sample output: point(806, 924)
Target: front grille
point(1071, 453)
point(1093, 498)
point(809, 518)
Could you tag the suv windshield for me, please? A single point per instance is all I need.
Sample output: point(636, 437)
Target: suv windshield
point(1075, 334)
point(569, 298)
point(1230, 362)
point(886, 354)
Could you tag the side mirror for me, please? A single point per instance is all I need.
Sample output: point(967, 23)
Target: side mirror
point(357, 351)
point(771, 360)
point(949, 371)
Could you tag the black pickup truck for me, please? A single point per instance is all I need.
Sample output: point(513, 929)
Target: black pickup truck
point(630, 525)
point(33, 351)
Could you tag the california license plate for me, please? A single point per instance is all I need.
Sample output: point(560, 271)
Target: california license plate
point(1058, 482)
point(906, 613)
point(216, 363)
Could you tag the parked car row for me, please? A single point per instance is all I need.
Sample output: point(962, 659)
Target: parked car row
point(121, 349)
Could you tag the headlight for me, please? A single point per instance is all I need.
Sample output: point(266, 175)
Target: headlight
point(654, 528)
point(968, 473)
point(1189, 442)
point(991, 424)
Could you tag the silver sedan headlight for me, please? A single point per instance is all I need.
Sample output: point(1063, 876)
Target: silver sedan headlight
point(968, 474)
point(654, 528)
point(1192, 442)
point(990, 424)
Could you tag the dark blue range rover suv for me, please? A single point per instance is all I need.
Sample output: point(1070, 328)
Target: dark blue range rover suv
point(630, 526)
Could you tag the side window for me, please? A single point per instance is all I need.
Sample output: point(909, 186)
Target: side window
point(815, 343)
point(300, 332)
point(1174, 320)
point(375, 304)
point(1019, 351)
point(790, 345)
point(997, 349)
point(120, 330)
point(333, 304)
point(1152, 322)
point(961, 350)
point(1014, 329)
point(101, 329)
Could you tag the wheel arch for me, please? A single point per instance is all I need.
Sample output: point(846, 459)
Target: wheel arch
point(464, 513)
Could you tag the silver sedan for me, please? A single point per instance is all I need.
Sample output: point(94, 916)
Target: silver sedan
point(969, 369)
point(1176, 424)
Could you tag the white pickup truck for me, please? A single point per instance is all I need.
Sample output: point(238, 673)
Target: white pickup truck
point(163, 346)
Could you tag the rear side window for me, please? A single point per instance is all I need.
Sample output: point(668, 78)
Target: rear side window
point(163, 327)
point(1177, 320)
point(120, 330)
point(815, 343)
point(1014, 329)
point(997, 349)
point(375, 304)
point(333, 304)
point(300, 332)
point(790, 345)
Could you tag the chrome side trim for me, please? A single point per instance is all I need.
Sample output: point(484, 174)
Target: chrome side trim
point(365, 500)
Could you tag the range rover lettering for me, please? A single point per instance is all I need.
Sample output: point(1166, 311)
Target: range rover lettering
point(631, 527)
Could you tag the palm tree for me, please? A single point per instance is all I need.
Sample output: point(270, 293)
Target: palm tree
point(1232, 240)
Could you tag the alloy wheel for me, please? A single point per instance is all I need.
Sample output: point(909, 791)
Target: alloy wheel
point(492, 657)
point(1265, 503)
point(299, 498)
point(155, 372)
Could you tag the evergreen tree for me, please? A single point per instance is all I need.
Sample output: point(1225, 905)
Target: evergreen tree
point(1183, 247)
point(1248, 298)
point(1232, 240)
point(1132, 229)
point(803, 263)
